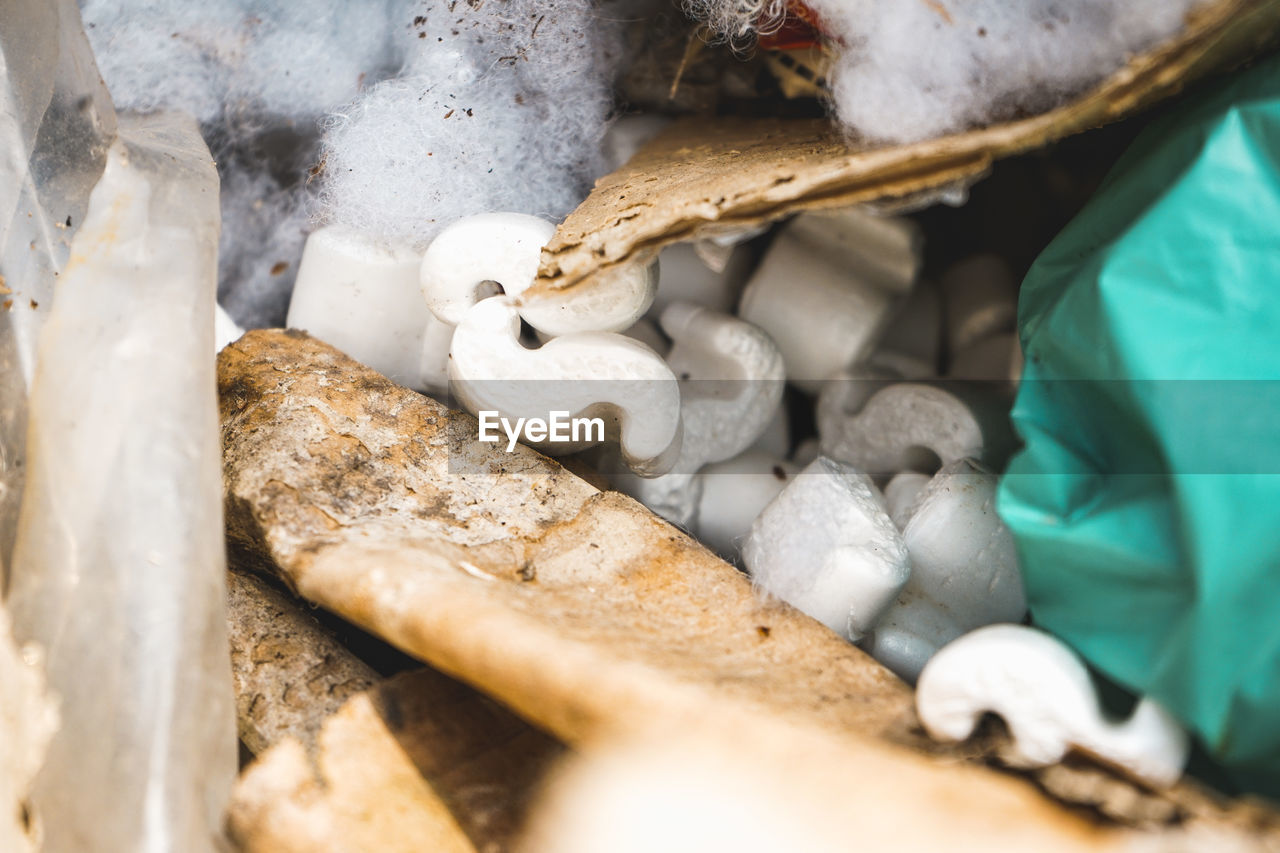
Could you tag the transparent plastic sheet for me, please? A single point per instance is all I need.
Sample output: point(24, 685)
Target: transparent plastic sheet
point(56, 122)
point(1144, 503)
point(27, 719)
point(118, 570)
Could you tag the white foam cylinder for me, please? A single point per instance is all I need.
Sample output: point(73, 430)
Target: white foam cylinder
point(364, 298)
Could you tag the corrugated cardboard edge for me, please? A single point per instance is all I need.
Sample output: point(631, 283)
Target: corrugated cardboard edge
point(714, 174)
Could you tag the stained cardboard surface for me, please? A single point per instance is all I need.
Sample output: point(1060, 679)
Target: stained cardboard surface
point(595, 620)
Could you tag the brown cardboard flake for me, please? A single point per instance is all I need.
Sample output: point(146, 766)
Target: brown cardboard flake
point(289, 673)
point(704, 175)
point(579, 609)
point(419, 762)
point(756, 784)
point(582, 611)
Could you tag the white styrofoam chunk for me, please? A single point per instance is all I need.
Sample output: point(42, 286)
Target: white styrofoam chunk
point(964, 569)
point(826, 288)
point(587, 374)
point(980, 299)
point(963, 555)
point(1048, 701)
point(827, 546)
point(734, 493)
point(363, 297)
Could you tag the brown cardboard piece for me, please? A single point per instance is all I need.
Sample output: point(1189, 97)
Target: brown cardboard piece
point(289, 673)
point(586, 614)
point(708, 175)
point(577, 608)
point(419, 762)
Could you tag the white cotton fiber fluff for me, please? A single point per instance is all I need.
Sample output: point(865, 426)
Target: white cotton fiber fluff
point(258, 75)
point(264, 227)
point(909, 70)
point(739, 20)
point(502, 107)
point(215, 58)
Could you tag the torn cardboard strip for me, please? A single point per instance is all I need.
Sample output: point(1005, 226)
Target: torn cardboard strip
point(363, 794)
point(289, 673)
point(350, 761)
point(579, 609)
point(705, 175)
point(419, 762)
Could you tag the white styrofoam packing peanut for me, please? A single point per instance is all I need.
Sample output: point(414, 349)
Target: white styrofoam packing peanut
point(827, 546)
point(826, 288)
point(1048, 701)
point(587, 374)
point(731, 383)
point(964, 570)
point(363, 298)
point(469, 256)
point(899, 425)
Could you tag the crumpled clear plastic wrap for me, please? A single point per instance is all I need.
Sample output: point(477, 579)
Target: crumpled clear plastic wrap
point(118, 570)
point(56, 121)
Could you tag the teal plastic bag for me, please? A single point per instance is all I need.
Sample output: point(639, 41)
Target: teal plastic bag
point(1146, 503)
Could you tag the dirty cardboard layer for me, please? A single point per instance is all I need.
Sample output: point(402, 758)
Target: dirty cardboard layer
point(704, 175)
point(417, 762)
point(576, 608)
point(579, 609)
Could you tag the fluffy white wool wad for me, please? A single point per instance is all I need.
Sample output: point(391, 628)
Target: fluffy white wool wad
point(434, 110)
point(218, 59)
point(502, 105)
point(909, 70)
point(258, 76)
